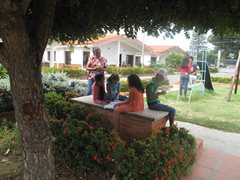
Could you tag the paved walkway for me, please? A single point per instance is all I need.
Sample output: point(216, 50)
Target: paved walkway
point(221, 141)
point(219, 159)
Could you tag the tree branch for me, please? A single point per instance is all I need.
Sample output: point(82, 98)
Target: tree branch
point(41, 23)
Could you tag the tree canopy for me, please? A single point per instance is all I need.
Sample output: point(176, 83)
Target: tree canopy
point(85, 19)
point(228, 43)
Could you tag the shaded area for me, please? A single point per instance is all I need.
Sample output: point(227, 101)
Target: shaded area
point(208, 82)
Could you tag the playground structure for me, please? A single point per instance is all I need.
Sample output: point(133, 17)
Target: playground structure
point(235, 78)
point(204, 79)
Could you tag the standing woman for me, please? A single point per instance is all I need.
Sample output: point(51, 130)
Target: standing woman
point(184, 69)
point(96, 65)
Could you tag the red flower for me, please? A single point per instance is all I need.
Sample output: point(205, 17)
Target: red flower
point(65, 130)
point(90, 127)
point(107, 157)
point(156, 178)
point(65, 122)
point(94, 157)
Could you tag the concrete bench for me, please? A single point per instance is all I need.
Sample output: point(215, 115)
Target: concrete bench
point(129, 125)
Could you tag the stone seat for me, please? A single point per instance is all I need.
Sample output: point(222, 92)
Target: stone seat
point(129, 125)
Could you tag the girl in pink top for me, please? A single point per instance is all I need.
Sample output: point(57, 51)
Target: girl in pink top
point(98, 89)
point(135, 101)
point(184, 69)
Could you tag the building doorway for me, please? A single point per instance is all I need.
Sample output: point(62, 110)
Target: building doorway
point(86, 55)
point(129, 60)
point(67, 57)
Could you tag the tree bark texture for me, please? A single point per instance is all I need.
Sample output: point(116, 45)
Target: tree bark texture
point(21, 54)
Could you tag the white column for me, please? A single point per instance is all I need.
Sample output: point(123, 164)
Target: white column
point(134, 61)
point(51, 55)
point(142, 57)
point(118, 52)
point(219, 57)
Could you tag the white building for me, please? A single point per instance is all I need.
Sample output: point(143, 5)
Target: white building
point(117, 49)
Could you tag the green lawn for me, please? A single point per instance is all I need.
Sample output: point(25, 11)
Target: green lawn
point(211, 110)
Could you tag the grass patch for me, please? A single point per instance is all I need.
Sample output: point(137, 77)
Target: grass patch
point(11, 165)
point(211, 110)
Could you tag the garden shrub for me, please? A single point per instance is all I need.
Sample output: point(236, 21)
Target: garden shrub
point(71, 71)
point(5, 95)
point(130, 70)
point(173, 61)
point(124, 85)
point(165, 156)
point(58, 107)
point(84, 141)
point(60, 83)
point(221, 79)
point(3, 72)
point(82, 146)
point(213, 69)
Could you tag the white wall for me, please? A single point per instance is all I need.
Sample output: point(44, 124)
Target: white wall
point(127, 50)
point(109, 52)
point(60, 55)
point(77, 56)
point(147, 60)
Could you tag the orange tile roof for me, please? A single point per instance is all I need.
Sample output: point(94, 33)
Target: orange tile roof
point(161, 48)
point(106, 38)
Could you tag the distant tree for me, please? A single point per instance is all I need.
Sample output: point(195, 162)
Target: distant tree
point(212, 57)
point(198, 44)
point(228, 43)
point(173, 61)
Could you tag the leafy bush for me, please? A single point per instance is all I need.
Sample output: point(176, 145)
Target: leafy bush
point(166, 155)
point(60, 83)
point(221, 79)
point(124, 84)
point(57, 107)
point(5, 95)
point(173, 61)
point(72, 71)
point(47, 69)
point(3, 72)
point(213, 69)
point(130, 70)
point(85, 142)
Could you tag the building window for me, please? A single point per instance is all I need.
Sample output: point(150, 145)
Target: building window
point(129, 60)
point(49, 54)
point(153, 60)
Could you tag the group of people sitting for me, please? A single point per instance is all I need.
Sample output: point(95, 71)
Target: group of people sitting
point(135, 101)
point(188, 74)
point(104, 94)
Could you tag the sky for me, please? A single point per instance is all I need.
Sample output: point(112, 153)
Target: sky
point(178, 40)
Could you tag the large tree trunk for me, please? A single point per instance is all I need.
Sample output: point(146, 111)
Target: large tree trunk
point(30, 112)
point(28, 99)
point(24, 40)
